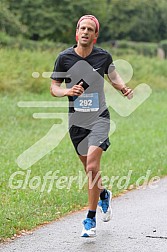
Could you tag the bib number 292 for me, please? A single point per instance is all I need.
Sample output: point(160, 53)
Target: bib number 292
point(85, 103)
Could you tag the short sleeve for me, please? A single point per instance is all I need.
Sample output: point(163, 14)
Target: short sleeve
point(109, 64)
point(58, 67)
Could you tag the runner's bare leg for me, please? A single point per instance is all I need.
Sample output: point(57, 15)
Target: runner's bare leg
point(91, 164)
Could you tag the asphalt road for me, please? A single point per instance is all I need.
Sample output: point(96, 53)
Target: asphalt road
point(139, 224)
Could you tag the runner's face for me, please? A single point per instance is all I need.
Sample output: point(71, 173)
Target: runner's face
point(86, 32)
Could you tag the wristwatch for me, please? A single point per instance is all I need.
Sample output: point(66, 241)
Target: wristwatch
point(124, 90)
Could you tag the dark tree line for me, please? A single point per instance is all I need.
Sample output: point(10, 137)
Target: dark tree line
point(139, 20)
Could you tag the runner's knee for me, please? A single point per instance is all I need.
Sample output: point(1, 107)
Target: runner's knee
point(92, 170)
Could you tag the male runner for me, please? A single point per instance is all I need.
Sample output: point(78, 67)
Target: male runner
point(89, 119)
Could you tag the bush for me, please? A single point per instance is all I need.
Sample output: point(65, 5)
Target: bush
point(131, 47)
point(4, 39)
point(21, 43)
point(145, 48)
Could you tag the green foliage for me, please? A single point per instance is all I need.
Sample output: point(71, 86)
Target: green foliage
point(137, 20)
point(22, 43)
point(18, 65)
point(145, 48)
point(5, 39)
point(56, 20)
point(120, 47)
point(9, 22)
point(162, 19)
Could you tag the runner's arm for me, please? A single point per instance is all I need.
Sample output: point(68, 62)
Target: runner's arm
point(57, 90)
point(119, 84)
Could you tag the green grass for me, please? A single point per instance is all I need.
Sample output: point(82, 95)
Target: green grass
point(17, 67)
point(138, 144)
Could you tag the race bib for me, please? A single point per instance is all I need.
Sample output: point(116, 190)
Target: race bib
point(87, 102)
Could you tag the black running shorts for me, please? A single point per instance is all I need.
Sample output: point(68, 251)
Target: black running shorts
point(96, 135)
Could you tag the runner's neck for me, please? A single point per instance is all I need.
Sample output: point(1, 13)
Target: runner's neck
point(83, 51)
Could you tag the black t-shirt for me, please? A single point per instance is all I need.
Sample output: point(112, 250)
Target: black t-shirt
point(72, 68)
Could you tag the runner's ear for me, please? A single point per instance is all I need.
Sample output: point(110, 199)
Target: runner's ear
point(95, 40)
point(76, 35)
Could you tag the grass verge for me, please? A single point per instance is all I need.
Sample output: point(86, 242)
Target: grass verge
point(138, 145)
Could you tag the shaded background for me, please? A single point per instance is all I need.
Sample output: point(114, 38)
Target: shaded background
point(55, 20)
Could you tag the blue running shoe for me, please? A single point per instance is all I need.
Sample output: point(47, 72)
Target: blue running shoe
point(105, 207)
point(89, 229)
